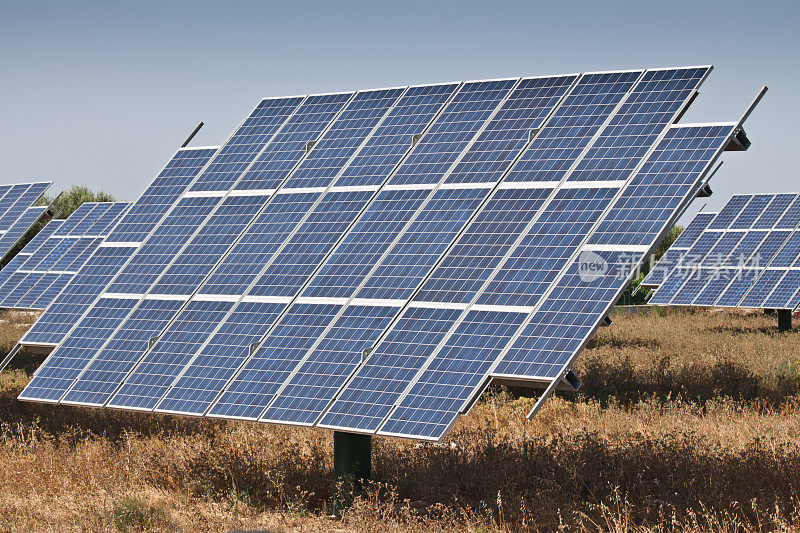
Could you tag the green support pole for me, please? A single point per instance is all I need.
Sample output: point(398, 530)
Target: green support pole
point(352, 463)
point(784, 320)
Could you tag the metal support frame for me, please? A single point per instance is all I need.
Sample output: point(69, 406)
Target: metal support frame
point(352, 465)
point(191, 135)
point(784, 320)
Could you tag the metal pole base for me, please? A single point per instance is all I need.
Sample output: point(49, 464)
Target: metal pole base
point(352, 464)
point(784, 320)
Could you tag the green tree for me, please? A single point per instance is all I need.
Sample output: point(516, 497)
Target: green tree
point(64, 204)
point(630, 296)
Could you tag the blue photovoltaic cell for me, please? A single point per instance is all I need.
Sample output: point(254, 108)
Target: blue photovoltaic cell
point(291, 143)
point(216, 362)
point(480, 249)
point(674, 255)
point(97, 211)
point(721, 250)
point(108, 221)
point(370, 395)
point(742, 252)
point(782, 295)
point(48, 295)
point(365, 243)
point(76, 217)
point(21, 198)
point(421, 244)
point(246, 143)
point(441, 145)
point(694, 283)
point(31, 254)
point(548, 245)
point(754, 209)
point(77, 297)
point(343, 139)
point(255, 385)
point(394, 137)
point(436, 398)
point(285, 273)
point(729, 212)
point(772, 214)
point(259, 243)
point(791, 218)
point(788, 253)
point(572, 126)
point(148, 210)
point(107, 363)
point(508, 132)
point(23, 285)
point(19, 228)
point(651, 106)
point(325, 369)
point(662, 185)
point(84, 256)
point(769, 248)
point(762, 288)
point(206, 248)
point(567, 317)
point(166, 241)
point(66, 362)
point(137, 222)
point(737, 288)
point(153, 375)
point(36, 290)
point(719, 281)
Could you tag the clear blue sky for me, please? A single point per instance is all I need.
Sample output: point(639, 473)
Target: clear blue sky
point(102, 93)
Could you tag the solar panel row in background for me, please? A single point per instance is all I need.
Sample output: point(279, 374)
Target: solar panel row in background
point(677, 252)
point(55, 262)
point(32, 247)
point(17, 214)
point(747, 256)
point(378, 257)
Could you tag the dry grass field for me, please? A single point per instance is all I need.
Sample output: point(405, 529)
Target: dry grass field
point(688, 421)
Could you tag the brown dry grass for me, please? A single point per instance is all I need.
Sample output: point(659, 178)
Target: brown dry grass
point(706, 440)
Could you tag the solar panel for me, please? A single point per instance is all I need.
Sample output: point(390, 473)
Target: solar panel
point(17, 214)
point(370, 261)
point(757, 243)
point(55, 262)
point(32, 252)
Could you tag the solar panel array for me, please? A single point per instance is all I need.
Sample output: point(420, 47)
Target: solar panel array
point(55, 258)
point(748, 255)
point(17, 214)
point(370, 261)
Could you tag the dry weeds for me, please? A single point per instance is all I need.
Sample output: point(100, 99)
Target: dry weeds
point(644, 448)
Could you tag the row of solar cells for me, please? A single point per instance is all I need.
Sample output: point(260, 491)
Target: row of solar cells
point(744, 256)
point(257, 293)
